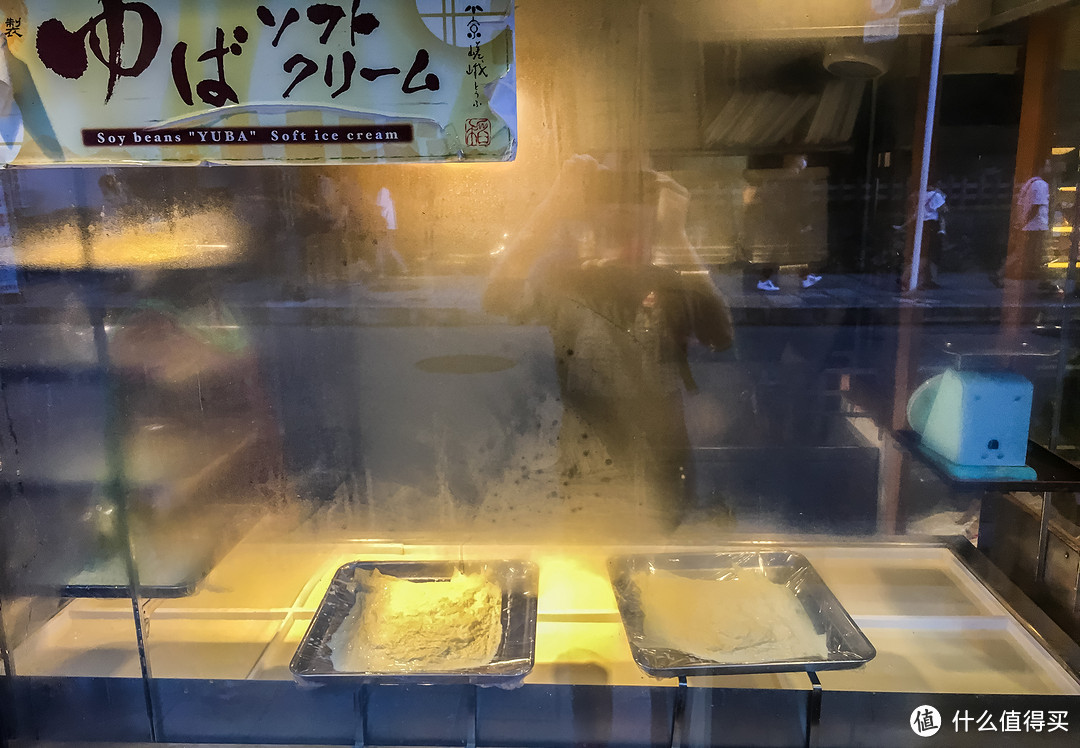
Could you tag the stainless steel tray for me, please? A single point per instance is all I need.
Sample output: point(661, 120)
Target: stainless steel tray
point(847, 646)
point(172, 558)
point(513, 660)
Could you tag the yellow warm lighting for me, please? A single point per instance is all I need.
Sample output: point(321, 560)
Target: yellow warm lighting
point(1061, 151)
point(204, 239)
point(575, 588)
point(601, 645)
point(1067, 189)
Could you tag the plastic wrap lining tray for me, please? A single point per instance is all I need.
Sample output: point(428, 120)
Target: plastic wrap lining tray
point(845, 644)
point(518, 581)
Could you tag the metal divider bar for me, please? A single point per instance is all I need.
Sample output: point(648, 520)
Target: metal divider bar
point(360, 704)
point(678, 715)
point(471, 705)
point(813, 709)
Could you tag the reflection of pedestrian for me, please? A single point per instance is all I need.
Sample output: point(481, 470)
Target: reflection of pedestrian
point(789, 226)
point(385, 245)
point(934, 210)
point(766, 280)
point(1030, 230)
point(334, 211)
point(330, 226)
point(620, 324)
point(933, 235)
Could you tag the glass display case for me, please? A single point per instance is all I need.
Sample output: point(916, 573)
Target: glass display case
point(729, 397)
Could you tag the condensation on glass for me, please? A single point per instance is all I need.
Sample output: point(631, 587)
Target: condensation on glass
point(685, 319)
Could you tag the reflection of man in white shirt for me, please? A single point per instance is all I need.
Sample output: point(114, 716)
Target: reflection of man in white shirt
point(385, 251)
point(386, 207)
point(1031, 227)
point(1034, 203)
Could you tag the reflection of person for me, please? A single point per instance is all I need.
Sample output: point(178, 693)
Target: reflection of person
point(330, 228)
point(1031, 228)
point(776, 211)
point(933, 234)
point(934, 211)
point(385, 249)
point(335, 213)
point(588, 265)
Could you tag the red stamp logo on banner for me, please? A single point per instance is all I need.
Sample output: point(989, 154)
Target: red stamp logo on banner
point(477, 132)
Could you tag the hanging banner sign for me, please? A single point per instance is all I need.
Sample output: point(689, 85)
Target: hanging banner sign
point(112, 81)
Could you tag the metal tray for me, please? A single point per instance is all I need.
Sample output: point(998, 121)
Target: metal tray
point(513, 660)
point(846, 644)
point(173, 561)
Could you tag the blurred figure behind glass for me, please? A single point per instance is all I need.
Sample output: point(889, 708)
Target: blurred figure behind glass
point(387, 259)
point(604, 262)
